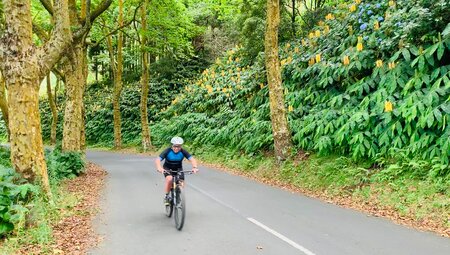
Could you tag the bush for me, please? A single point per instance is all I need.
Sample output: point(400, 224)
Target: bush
point(62, 165)
point(15, 194)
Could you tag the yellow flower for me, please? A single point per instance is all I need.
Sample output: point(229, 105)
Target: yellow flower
point(303, 42)
point(288, 45)
point(290, 108)
point(230, 59)
point(388, 106)
point(209, 88)
point(376, 26)
point(391, 3)
point(311, 35)
point(296, 50)
point(358, 1)
point(350, 30)
point(237, 59)
point(321, 23)
point(218, 61)
point(346, 60)
point(223, 73)
point(317, 58)
point(317, 33)
point(352, 8)
point(261, 85)
point(283, 62)
point(391, 65)
point(311, 61)
point(327, 29)
point(359, 46)
point(329, 16)
point(224, 90)
point(379, 63)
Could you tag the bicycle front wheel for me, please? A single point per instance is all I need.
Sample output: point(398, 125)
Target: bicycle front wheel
point(169, 207)
point(179, 209)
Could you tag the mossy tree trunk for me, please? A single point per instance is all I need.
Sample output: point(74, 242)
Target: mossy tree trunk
point(75, 71)
point(51, 101)
point(4, 105)
point(146, 141)
point(24, 65)
point(117, 69)
point(74, 91)
point(280, 127)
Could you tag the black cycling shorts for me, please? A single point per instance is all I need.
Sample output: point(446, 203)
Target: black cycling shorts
point(181, 175)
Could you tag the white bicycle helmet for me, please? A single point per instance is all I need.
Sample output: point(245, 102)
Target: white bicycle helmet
point(176, 140)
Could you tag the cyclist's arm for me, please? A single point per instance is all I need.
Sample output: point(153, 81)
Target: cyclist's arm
point(194, 163)
point(191, 159)
point(158, 160)
point(158, 165)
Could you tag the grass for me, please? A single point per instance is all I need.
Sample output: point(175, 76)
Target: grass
point(421, 200)
point(38, 234)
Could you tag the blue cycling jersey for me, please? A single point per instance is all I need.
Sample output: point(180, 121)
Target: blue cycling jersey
point(174, 160)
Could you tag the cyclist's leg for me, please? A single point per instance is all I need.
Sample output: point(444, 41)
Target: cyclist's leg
point(181, 178)
point(168, 184)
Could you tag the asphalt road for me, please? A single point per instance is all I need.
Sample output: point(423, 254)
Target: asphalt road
point(228, 214)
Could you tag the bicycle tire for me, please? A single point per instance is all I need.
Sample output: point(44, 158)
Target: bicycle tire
point(179, 209)
point(169, 208)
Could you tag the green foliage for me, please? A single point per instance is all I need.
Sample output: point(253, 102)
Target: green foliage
point(62, 165)
point(340, 85)
point(15, 194)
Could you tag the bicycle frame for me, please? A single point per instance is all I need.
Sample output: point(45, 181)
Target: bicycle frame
point(177, 200)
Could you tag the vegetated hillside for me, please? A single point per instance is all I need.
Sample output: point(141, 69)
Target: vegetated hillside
point(371, 80)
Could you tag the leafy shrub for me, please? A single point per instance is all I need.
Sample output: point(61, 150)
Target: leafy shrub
point(358, 84)
point(62, 165)
point(15, 194)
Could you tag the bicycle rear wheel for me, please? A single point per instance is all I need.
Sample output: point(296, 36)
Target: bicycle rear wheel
point(180, 209)
point(169, 207)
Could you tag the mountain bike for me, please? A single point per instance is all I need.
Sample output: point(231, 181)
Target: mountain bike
point(177, 201)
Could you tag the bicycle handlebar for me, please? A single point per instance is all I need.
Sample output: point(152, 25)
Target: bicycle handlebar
point(178, 172)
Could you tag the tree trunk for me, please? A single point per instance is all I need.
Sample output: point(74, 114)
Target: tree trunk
point(4, 105)
point(280, 128)
point(24, 66)
point(75, 71)
point(146, 141)
point(27, 150)
point(117, 82)
point(51, 101)
point(293, 17)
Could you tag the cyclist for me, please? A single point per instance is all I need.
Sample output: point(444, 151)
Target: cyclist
point(173, 160)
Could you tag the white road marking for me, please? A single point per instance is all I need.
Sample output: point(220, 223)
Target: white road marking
point(273, 232)
point(282, 237)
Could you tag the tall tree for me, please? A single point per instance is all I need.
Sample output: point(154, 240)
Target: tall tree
point(146, 141)
point(75, 69)
point(4, 104)
point(24, 65)
point(280, 128)
point(51, 101)
point(117, 69)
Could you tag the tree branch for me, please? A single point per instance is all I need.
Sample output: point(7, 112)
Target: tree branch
point(41, 33)
point(48, 6)
point(61, 38)
point(100, 9)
